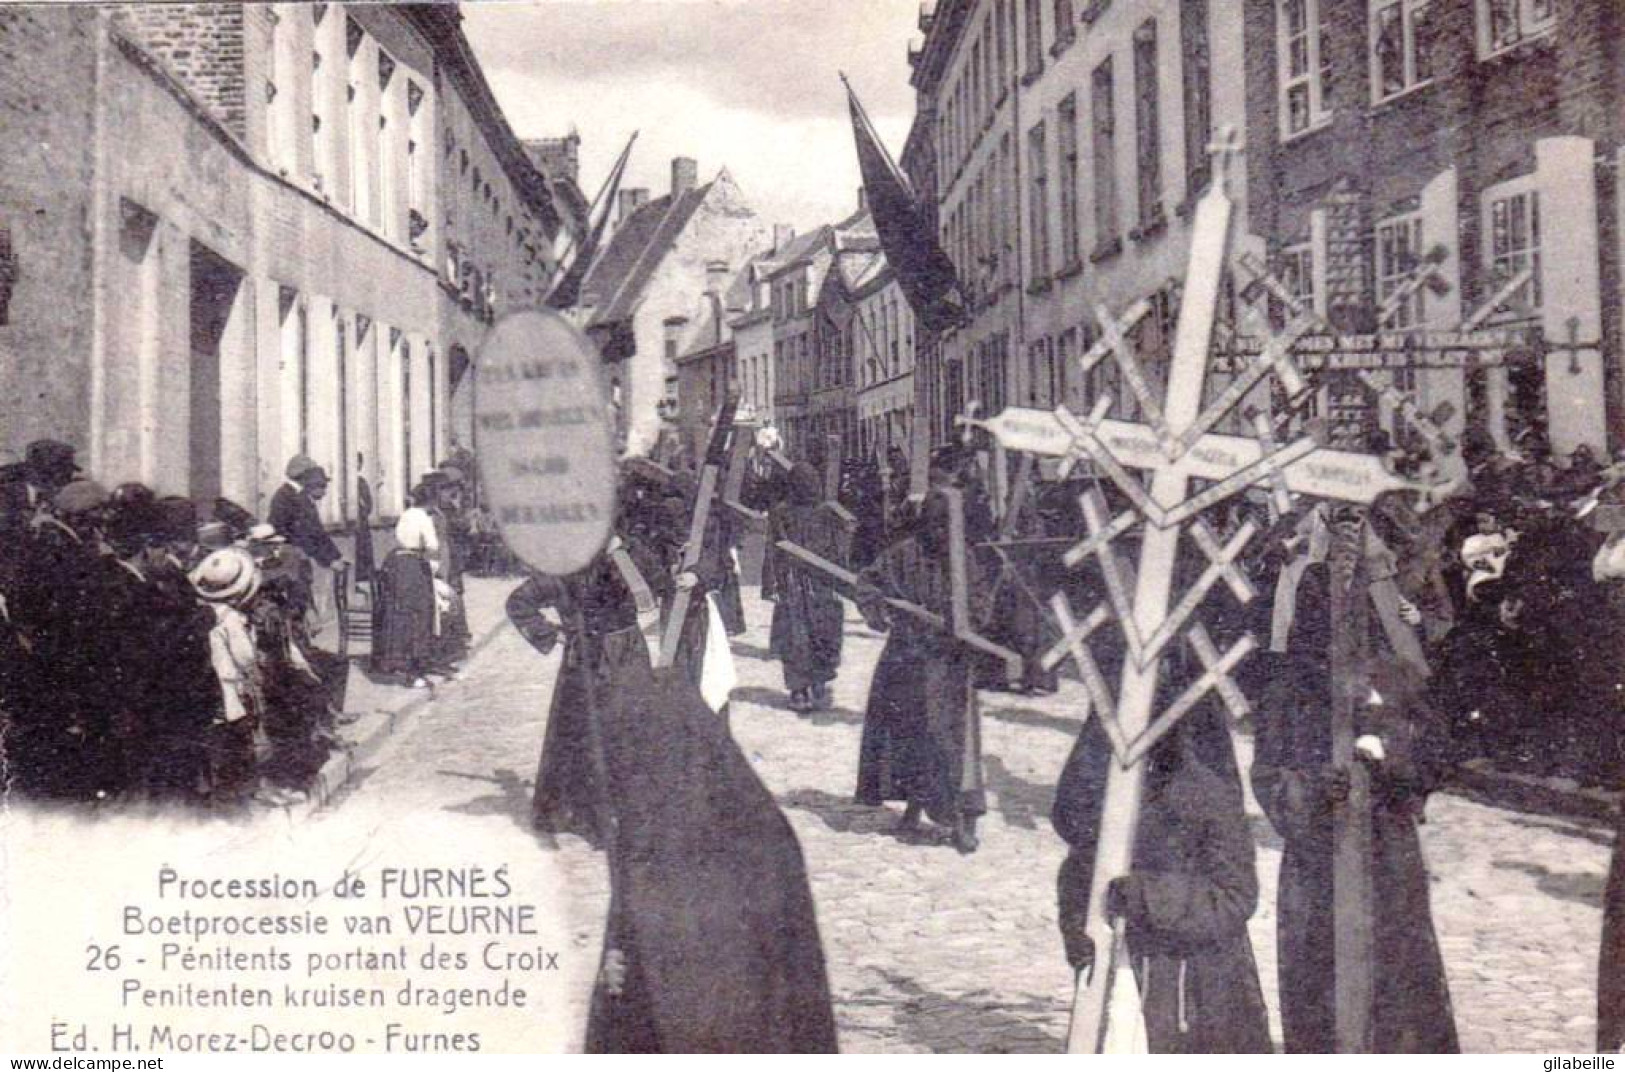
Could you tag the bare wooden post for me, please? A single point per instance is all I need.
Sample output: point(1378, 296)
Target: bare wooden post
point(1353, 946)
point(832, 467)
point(699, 523)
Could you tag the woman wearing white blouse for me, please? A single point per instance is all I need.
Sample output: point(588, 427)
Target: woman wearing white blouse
point(405, 617)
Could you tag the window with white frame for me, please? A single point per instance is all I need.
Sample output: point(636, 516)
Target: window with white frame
point(1296, 268)
point(1505, 24)
point(1066, 122)
point(1147, 125)
point(1104, 151)
point(1512, 236)
point(1399, 253)
point(1038, 222)
point(1402, 41)
point(1304, 66)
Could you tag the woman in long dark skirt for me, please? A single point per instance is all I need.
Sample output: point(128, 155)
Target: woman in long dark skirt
point(598, 613)
point(404, 615)
point(807, 617)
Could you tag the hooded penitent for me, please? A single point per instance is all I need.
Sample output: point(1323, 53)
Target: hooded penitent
point(1190, 892)
point(1291, 779)
point(922, 725)
point(807, 617)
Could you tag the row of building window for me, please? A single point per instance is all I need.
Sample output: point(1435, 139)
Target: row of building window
point(791, 298)
point(979, 231)
point(887, 341)
point(377, 146)
point(379, 137)
point(756, 382)
point(880, 432)
point(1403, 49)
point(1511, 244)
point(391, 365)
point(792, 359)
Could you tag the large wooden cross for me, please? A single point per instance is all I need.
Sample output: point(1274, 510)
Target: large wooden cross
point(844, 523)
point(706, 499)
point(1468, 346)
point(957, 624)
point(1175, 445)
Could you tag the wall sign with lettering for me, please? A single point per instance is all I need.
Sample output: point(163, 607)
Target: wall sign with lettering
point(547, 449)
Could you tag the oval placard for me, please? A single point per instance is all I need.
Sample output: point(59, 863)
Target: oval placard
point(543, 436)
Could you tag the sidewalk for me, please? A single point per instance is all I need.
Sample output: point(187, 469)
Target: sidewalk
point(382, 708)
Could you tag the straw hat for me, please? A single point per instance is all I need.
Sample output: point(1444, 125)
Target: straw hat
point(228, 575)
point(79, 497)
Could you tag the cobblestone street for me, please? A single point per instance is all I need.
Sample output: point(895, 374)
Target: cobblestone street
point(930, 950)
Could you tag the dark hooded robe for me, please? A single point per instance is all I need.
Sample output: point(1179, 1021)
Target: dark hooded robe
point(602, 643)
point(808, 618)
point(922, 737)
point(1291, 778)
point(711, 918)
point(1190, 892)
point(451, 642)
point(863, 493)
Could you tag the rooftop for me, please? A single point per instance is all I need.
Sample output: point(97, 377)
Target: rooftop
point(618, 276)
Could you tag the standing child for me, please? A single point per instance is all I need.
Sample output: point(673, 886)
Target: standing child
point(228, 580)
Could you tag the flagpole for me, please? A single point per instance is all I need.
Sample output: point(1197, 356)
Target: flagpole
point(603, 189)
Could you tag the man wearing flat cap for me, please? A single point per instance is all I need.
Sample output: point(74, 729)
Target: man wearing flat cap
point(47, 466)
point(294, 515)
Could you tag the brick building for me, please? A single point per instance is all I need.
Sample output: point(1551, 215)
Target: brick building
point(1063, 144)
point(238, 232)
point(1491, 129)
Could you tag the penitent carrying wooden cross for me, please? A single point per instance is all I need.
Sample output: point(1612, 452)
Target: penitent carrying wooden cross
point(712, 493)
point(1175, 445)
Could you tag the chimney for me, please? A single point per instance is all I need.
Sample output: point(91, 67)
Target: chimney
point(631, 201)
point(863, 199)
point(685, 175)
point(716, 277)
point(783, 235)
point(558, 158)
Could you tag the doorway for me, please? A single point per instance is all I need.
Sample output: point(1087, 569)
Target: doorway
point(215, 285)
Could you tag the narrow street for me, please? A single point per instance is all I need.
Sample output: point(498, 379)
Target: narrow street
point(933, 951)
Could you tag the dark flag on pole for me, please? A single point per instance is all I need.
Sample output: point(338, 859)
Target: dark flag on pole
point(567, 291)
point(923, 269)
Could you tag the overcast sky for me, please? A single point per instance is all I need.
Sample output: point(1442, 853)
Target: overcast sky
point(747, 84)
